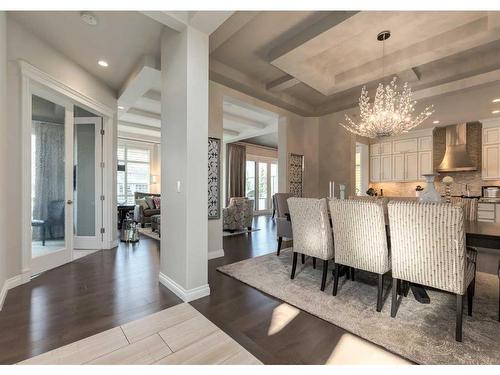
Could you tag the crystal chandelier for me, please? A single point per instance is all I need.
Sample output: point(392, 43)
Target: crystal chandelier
point(392, 112)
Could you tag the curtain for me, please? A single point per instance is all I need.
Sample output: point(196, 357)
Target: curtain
point(49, 179)
point(236, 170)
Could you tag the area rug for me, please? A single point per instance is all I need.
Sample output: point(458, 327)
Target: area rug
point(148, 232)
point(424, 334)
point(227, 234)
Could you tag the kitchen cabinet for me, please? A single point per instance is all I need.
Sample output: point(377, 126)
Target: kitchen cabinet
point(491, 149)
point(375, 168)
point(386, 168)
point(403, 158)
point(488, 212)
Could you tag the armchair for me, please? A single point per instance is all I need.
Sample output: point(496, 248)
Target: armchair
point(143, 215)
point(238, 214)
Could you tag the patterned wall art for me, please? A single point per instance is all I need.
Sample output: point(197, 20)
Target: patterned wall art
point(296, 174)
point(213, 178)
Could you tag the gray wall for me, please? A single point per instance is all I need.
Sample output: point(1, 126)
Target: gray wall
point(3, 153)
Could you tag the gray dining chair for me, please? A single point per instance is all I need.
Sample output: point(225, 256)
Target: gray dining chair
point(428, 247)
point(283, 225)
point(360, 239)
point(312, 235)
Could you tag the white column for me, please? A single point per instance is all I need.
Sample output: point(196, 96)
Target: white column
point(184, 147)
point(4, 159)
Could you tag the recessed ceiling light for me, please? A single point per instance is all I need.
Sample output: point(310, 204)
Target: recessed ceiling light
point(121, 107)
point(495, 111)
point(497, 100)
point(103, 63)
point(435, 122)
point(429, 113)
point(88, 18)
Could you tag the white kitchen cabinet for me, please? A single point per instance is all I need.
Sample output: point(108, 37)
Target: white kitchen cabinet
point(487, 212)
point(386, 148)
point(375, 149)
point(375, 168)
point(425, 143)
point(424, 163)
point(405, 145)
point(386, 168)
point(491, 162)
point(491, 136)
point(411, 166)
point(398, 167)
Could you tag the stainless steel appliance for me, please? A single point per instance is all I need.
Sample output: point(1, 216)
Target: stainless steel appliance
point(490, 192)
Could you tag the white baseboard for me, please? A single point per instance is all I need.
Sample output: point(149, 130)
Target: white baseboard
point(187, 295)
point(215, 254)
point(12, 283)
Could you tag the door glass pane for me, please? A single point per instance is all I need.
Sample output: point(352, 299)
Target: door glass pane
point(47, 177)
point(274, 179)
point(250, 176)
point(262, 186)
point(84, 180)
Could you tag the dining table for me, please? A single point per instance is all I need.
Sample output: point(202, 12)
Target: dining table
point(478, 234)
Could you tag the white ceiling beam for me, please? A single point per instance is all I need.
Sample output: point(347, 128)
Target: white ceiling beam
point(139, 112)
point(138, 126)
point(244, 121)
point(231, 132)
point(282, 83)
point(205, 21)
point(409, 75)
point(230, 27)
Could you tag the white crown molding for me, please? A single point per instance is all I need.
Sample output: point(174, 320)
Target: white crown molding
point(187, 295)
point(37, 75)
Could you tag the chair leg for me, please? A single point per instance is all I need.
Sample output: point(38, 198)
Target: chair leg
point(458, 327)
point(314, 263)
point(44, 234)
point(380, 288)
point(352, 273)
point(336, 279)
point(325, 272)
point(470, 297)
point(303, 258)
point(394, 302)
point(280, 240)
point(294, 265)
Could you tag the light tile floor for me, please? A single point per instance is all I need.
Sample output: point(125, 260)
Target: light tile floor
point(178, 335)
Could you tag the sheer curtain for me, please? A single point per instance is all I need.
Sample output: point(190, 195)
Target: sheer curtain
point(48, 158)
point(236, 170)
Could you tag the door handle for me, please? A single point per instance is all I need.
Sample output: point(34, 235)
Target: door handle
point(69, 201)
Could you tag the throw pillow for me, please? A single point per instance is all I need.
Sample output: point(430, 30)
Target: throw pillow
point(149, 201)
point(157, 201)
point(142, 202)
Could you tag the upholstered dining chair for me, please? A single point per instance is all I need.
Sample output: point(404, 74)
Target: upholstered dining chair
point(428, 247)
point(283, 225)
point(360, 239)
point(312, 234)
point(469, 206)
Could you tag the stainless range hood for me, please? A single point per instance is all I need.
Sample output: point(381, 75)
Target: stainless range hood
point(456, 158)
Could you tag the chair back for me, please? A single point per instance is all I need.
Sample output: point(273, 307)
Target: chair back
point(428, 244)
point(312, 234)
point(360, 235)
point(281, 204)
point(469, 206)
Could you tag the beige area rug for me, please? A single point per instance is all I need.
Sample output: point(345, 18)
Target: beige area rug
point(175, 336)
point(148, 232)
point(422, 333)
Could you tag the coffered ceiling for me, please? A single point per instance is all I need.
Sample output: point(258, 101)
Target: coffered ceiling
point(314, 63)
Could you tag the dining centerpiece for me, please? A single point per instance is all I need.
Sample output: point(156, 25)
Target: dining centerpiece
point(430, 194)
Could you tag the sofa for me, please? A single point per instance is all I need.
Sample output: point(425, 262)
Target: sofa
point(142, 215)
point(238, 214)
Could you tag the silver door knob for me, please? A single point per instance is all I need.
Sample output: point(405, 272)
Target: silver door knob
point(69, 201)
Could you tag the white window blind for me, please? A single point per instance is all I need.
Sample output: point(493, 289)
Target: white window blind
point(134, 170)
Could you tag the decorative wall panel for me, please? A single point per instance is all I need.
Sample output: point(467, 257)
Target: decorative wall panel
point(296, 174)
point(213, 178)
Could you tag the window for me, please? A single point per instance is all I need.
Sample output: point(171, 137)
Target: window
point(134, 170)
point(261, 181)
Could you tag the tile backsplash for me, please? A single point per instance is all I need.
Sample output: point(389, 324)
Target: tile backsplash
point(472, 179)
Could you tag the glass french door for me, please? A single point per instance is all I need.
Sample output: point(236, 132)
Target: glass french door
point(51, 182)
point(261, 182)
point(66, 181)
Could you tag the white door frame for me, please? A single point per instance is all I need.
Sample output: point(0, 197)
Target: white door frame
point(93, 242)
point(31, 77)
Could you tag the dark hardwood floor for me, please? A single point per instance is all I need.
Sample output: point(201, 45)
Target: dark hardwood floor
point(112, 287)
